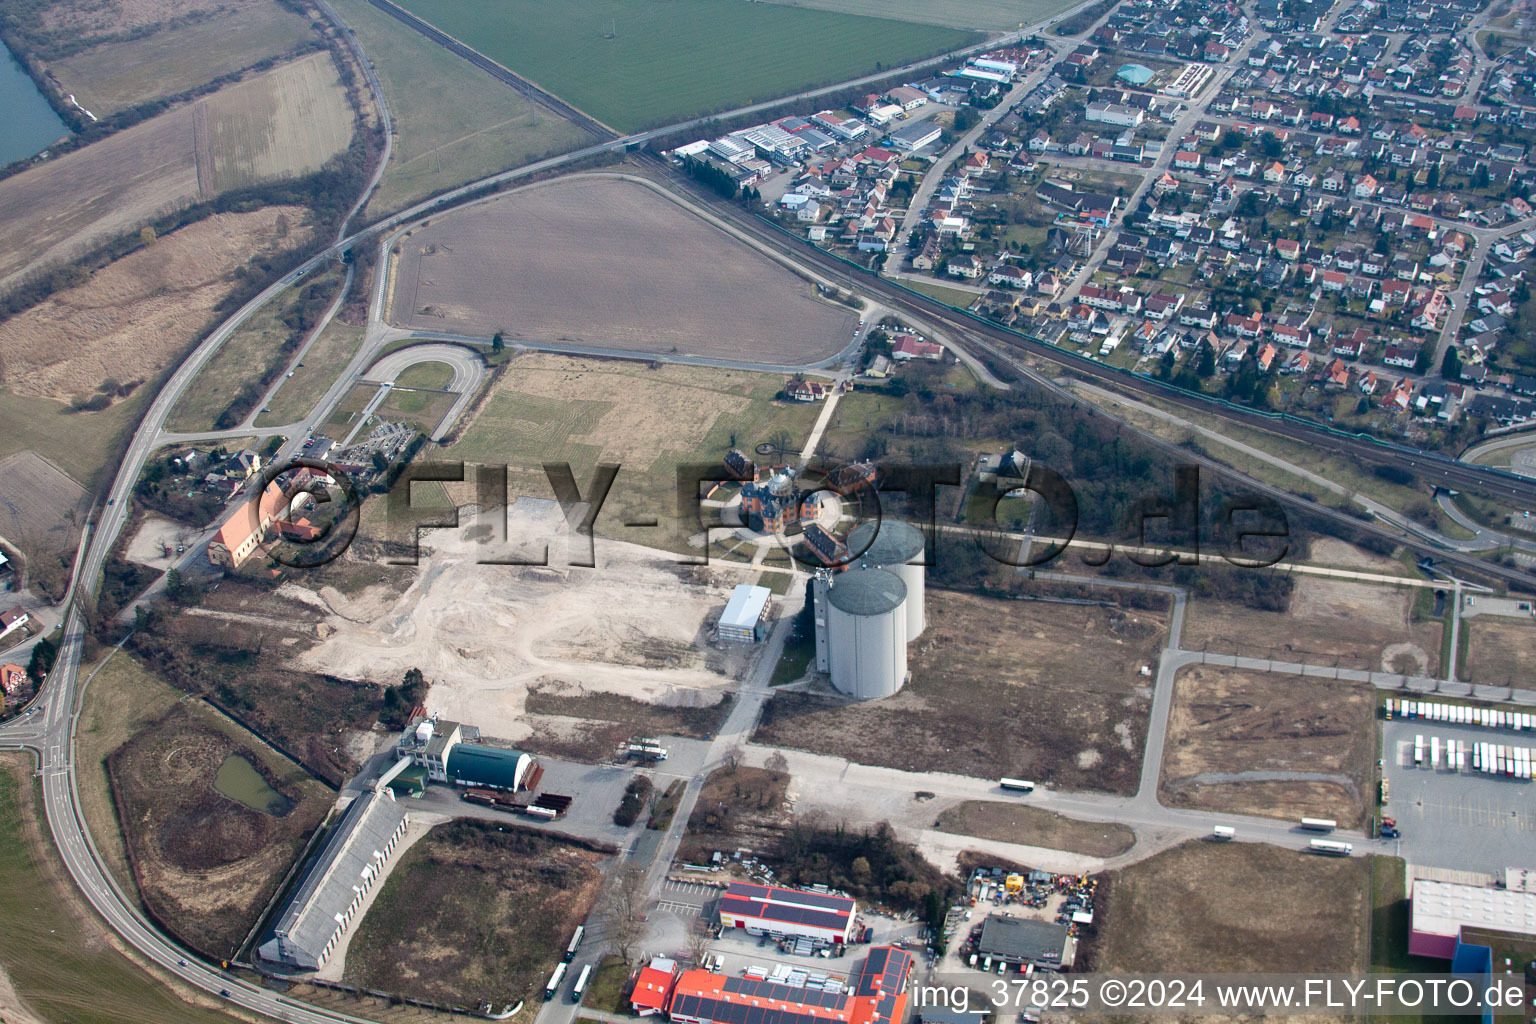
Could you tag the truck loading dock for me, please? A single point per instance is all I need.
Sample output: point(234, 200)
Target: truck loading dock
point(1454, 819)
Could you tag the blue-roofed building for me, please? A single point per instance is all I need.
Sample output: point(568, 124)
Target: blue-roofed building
point(1135, 74)
point(1475, 962)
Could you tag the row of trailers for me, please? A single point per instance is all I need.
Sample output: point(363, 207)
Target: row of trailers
point(563, 968)
point(1457, 714)
point(1487, 758)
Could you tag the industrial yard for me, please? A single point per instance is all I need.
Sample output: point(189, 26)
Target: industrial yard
point(618, 265)
point(1277, 746)
point(1063, 702)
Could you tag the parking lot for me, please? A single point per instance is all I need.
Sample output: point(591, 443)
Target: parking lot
point(1464, 819)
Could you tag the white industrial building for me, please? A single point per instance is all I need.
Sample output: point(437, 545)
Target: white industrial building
point(745, 619)
point(912, 137)
point(866, 616)
point(1113, 113)
point(350, 864)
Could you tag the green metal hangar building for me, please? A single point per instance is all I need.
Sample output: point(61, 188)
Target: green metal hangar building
point(444, 750)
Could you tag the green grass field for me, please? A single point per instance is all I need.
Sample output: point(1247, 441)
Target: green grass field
point(988, 15)
point(54, 951)
point(329, 355)
point(431, 376)
point(633, 66)
point(245, 356)
point(453, 122)
point(80, 443)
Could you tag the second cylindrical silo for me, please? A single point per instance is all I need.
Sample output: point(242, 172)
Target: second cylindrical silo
point(866, 619)
point(894, 545)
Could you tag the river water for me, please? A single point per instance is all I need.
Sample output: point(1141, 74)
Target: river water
point(28, 124)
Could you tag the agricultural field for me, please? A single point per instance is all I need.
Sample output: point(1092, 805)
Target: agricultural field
point(117, 74)
point(327, 358)
point(610, 263)
point(80, 443)
point(1035, 826)
point(548, 408)
point(453, 122)
point(136, 315)
point(986, 15)
point(285, 122)
point(1271, 745)
point(212, 819)
point(231, 379)
point(1328, 622)
point(1499, 651)
point(636, 66)
point(1061, 702)
point(41, 508)
point(59, 958)
point(1226, 908)
point(474, 914)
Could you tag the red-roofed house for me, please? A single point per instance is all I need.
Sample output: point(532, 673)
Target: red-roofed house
point(908, 347)
point(653, 987)
point(14, 618)
point(12, 679)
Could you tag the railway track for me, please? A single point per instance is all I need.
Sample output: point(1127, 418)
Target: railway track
point(495, 70)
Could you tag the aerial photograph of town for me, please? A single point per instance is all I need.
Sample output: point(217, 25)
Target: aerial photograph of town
point(767, 511)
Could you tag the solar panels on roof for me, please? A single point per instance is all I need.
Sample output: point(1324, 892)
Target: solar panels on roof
point(749, 890)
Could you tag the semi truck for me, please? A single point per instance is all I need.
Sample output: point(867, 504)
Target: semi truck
point(1319, 824)
point(1017, 785)
point(554, 982)
point(1223, 833)
point(1330, 848)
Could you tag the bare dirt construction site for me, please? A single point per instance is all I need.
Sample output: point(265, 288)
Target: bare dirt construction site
point(1348, 623)
point(285, 122)
point(1500, 651)
point(205, 862)
point(1027, 689)
point(134, 315)
point(1224, 908)
point(474, 914)
point(1280, 746)
point(41, 508)
point(610, 263)
point(523, 652)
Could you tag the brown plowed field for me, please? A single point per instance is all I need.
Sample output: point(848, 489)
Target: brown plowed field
point(613, 264)
point(41, 508)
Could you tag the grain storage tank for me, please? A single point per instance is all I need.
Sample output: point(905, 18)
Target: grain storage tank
point(892, 544)
point(867, 626)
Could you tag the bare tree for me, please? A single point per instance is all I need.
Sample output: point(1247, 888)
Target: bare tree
point(776, 762)
point(624, 905)
point(732, 758)
point(698, 942)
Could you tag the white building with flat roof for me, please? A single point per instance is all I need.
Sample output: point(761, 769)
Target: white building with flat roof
point(745, 619)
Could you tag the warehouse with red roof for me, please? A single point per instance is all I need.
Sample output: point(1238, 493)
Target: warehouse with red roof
point(875, 994)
